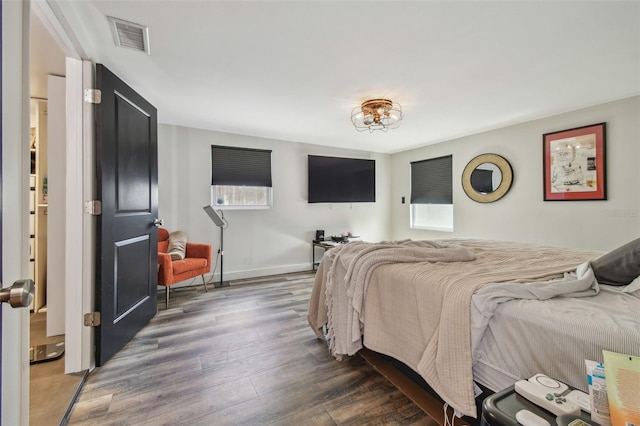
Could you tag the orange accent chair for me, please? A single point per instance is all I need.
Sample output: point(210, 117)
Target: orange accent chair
point(197, 261)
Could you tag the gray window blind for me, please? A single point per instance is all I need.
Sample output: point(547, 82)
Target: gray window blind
point(431, 181)
point(240, 166)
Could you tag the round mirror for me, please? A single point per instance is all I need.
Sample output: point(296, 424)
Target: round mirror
point(487, 178)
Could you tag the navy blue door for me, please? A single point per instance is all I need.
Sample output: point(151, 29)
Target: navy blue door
point(127, 162)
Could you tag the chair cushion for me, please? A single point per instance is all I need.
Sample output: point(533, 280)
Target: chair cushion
point(188, 264)
point(177, 245)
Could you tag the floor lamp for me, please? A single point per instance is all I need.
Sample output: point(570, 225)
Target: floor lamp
point(221, 222)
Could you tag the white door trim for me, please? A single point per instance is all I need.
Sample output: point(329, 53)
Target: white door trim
point(89, 222)
point(79, 277)
point(73, 219)
point(53, 20)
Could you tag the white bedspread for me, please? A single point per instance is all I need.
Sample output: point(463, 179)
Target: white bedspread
point(555, 336)
point(419, 313)
point(579, 283)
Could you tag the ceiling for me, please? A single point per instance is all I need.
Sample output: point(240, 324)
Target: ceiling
point(294, 70)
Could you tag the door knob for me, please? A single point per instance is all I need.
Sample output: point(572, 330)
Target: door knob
point(19, 295)
point(157, 222)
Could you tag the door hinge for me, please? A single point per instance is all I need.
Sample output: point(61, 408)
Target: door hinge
point(92, 319)
point(93, 207)
point(92, 96)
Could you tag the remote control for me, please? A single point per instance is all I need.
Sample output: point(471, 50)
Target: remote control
point(580, 398)
point(527, 418)
point(550, 401)
point(554, 385)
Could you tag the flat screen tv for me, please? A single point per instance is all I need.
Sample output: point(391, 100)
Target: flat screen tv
point(341, 180)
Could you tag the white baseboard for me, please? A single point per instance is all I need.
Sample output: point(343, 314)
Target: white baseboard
point(263, 272)
point(247, 273)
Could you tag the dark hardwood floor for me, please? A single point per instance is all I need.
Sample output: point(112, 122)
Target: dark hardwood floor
point(241, 355)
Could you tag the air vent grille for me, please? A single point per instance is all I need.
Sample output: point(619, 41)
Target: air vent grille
point(128, 34)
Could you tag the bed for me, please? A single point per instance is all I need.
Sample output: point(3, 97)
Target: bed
point(463, 310)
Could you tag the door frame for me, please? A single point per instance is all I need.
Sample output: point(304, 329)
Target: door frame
point(80, 183)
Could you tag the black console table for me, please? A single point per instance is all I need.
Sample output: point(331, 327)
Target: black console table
point(324, 245)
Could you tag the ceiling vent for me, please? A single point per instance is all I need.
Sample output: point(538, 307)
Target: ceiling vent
point(128, 34)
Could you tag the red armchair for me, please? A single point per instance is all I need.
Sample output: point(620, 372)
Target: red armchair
point(197, 261)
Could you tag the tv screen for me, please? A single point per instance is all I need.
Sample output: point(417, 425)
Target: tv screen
point(341, 180)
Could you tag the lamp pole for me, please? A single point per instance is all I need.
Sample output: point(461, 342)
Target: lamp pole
point(221, 283)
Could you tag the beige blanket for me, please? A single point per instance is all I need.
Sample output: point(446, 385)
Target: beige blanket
point(419, 312)
point(348, 275)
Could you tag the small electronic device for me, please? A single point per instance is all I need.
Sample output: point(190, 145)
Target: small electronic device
point(527, 418)
point(547, 393)
point(552, 384)
point(580, 398)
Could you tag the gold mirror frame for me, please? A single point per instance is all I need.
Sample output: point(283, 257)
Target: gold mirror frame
point(507, 178)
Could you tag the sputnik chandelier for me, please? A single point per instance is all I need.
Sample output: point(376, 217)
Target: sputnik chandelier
point(377, 114)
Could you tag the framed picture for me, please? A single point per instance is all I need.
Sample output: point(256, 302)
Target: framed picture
point(574, 164)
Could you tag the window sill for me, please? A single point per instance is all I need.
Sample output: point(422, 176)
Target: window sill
point(225, 207)
point(432, 228)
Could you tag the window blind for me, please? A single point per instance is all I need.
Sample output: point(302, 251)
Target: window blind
point(431, 181)
point(240, 166)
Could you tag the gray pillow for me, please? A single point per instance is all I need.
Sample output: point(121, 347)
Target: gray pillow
point(620, 266)
point(177, 245)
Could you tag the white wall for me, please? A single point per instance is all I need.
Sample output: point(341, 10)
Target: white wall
point(45, 58)
point(57, 202)
point(264, 242)
point(261, 242)
point(522, 215)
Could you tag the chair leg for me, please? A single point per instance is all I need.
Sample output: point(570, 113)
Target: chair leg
point(167, 298)
point(205, 283)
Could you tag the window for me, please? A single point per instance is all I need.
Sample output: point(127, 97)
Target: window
point(432, 194)
point(240, 178)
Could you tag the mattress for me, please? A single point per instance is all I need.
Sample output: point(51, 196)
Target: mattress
point(555, 336)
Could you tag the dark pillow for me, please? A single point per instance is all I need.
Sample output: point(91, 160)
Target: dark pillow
point(619, 266)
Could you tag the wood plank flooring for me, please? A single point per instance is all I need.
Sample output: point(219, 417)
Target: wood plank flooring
point(241, 355)
point(50, 390)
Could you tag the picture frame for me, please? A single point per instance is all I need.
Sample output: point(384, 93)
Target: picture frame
point(574, 164)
